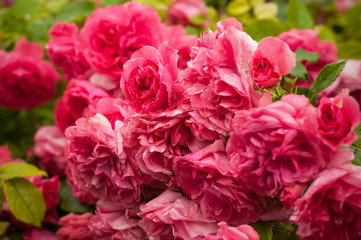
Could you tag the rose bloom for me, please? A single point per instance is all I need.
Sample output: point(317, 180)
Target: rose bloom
point(49, 147)
point(291, 193)
point(172, 216)
point(26, 81)
point(215, 80)
point(75, 227)
point(330, 208)
point(82, 195)
point(114, 221)
point(76, 98)
point(112, 34)
point(242, 232)
point(97, 161)
point(63, 50)
point(204, 177)
point(344, 5)
point(38, 234)
point(337, 118)
point(276, 145)
point(272, 59)
point(182, 12)
point(148, 78)
point(307, 39)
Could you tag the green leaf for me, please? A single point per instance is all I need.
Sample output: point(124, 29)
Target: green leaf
point(3, 227)
point(353, 19)
point(25, 201)
point(264, 229)
point(326, 77)
point(67, 201)
point(112, 2)
point(75, 10)
point(197, 20)
point(37, 30)
point(27, 8)
point(298, 15)
point(13, 170)
point(302, 54)
point(238, 7)
point(260, 29)
point(349, 49)
point(55, 6)
point(300, 72)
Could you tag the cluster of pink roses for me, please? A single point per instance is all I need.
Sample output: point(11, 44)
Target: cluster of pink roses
point(178, 138)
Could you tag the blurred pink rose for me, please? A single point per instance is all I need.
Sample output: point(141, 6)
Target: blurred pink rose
point(97, 161)
point(75, 227)
point(63, 50)
point(112, 34)
point(337, 119)
point(77, 96)
point(215, 80)
point(330, 208)
point(114, 221)
point(204, 176)
point(272, 60)
point(182, 12)
point(148, 78)
point(276, 145)
point(26, 81)
point(49, 147)
point(307, 40)
point(38, 234)
point(172, 216)
point(242, 232)
point(5, 156)
point(291, 193)
point(344, 5)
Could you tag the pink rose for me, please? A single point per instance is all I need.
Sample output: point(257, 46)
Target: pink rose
point(204, 177)
point(337, 119)
point(148, 78)
point(114, 221)
point(49, 187)
point(182, 12)
point(75, 227)
point(291, 193)
point(26, 81)
point(82, 195)
point(5, 156)
point(114, 109)
point(272, 59)
point(112, 34)
point(172, 216)
point(330, 208)
point(97, 161)
point(49, 147)
point(77, 96)
point(242, 232)
point(307, 39)
point(276, 145)
point(215, 80)
point(344, 5)
point(63, 50)
point(38, 234)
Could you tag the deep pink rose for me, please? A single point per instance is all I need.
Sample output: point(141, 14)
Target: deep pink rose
point(97, 161)
point(63, 50)
point(49, 187)
point(242, 232)
point(276, 145)
point(344, 5)
point(77, 96)
point(49, 147)
point(112, 108)
point(75, 227)
point(330, 208)
point(204, 176)
point(337, 119)
point(182, 12)
point(215, 80)
point(114, 221)
point(307, 39)
point(272, 60)
point(291, 193)
point(5, 156)
point(82, 195)
point(38, 234)
point(148, 78)
point(172, 216)
point(112, 34)
point(26, 81)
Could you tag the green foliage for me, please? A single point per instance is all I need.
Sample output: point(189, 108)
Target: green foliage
point(353, 19)
point(300, 72)
point(14, 170)
point(326, 77)
point(68, 202)
point(298, 15)
point(3, 227)
point(302, 54)
point(25, 201)
point(77, 11)
point(259, 29)
point(349, 49)
point(264, 229)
